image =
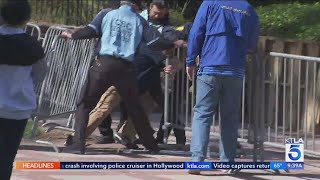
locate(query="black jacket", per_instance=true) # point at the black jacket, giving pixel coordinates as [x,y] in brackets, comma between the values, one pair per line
[20,49]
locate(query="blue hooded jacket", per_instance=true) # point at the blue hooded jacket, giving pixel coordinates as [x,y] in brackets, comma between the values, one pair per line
[222,34]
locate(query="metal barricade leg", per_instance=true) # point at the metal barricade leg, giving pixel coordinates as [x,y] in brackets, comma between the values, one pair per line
[166,107]
[70,120]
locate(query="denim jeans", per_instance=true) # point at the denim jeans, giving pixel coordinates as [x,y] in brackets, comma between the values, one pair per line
[211,91]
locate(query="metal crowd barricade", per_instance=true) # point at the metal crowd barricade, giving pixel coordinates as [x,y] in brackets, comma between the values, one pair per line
[280,100]
[293,91]
[33,30]
[47,43]
[51,33]
[69,62]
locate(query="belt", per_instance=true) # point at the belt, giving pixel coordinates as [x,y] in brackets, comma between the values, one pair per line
[127,62]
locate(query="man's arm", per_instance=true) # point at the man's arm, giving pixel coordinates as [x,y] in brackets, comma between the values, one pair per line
[254,34]
[92,30]
[197,34]
[157,56]
[96,23]
[149,33]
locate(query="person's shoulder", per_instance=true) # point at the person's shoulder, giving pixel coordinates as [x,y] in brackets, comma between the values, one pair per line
[111,11]
[210,2]
[145,14]
[35,46]
[105,11]
[251,11]
[143,21]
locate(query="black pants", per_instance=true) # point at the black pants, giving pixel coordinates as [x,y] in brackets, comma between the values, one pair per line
[11,133]
[109,71]
[105,127]
[123,116]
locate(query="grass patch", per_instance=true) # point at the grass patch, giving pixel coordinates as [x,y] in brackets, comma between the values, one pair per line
[28,130]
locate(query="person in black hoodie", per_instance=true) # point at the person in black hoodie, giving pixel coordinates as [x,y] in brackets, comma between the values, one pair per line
[20,58]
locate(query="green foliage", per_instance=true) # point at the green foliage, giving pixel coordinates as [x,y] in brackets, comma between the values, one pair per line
[69,12]
[28,130]
[295,19]
[177,18]
[291,20]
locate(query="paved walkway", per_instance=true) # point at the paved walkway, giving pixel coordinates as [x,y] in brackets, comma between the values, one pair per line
[30,151]
[312,170]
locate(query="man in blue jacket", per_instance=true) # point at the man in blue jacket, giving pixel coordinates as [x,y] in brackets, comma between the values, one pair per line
[222,34]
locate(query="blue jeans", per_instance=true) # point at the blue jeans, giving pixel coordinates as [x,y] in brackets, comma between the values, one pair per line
[211,91]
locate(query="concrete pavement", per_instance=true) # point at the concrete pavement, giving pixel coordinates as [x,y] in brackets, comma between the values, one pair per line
[30,151]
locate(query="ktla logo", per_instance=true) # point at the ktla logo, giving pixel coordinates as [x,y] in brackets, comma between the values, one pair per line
[294,150]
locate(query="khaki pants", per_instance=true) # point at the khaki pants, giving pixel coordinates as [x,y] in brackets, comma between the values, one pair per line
[127,130]
[107,102]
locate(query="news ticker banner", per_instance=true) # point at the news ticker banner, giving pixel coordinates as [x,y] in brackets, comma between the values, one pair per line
[157,165]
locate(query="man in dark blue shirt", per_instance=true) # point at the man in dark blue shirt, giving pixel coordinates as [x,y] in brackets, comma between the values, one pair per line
[222,34]
[93,30]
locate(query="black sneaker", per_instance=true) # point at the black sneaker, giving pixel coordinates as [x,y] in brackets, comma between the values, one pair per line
[137,141]
[153,148]
[131,145]
[181,141]
[105,140]
[76,148]
[69,140]
[239,146]
[154,151]
[125,141]
[160,140]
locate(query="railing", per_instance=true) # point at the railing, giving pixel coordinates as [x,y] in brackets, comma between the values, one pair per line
[293,90]
[278,102]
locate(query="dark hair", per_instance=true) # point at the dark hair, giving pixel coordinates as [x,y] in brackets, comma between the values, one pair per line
[15,12]
[113,4]
[136,2]
[162,4]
